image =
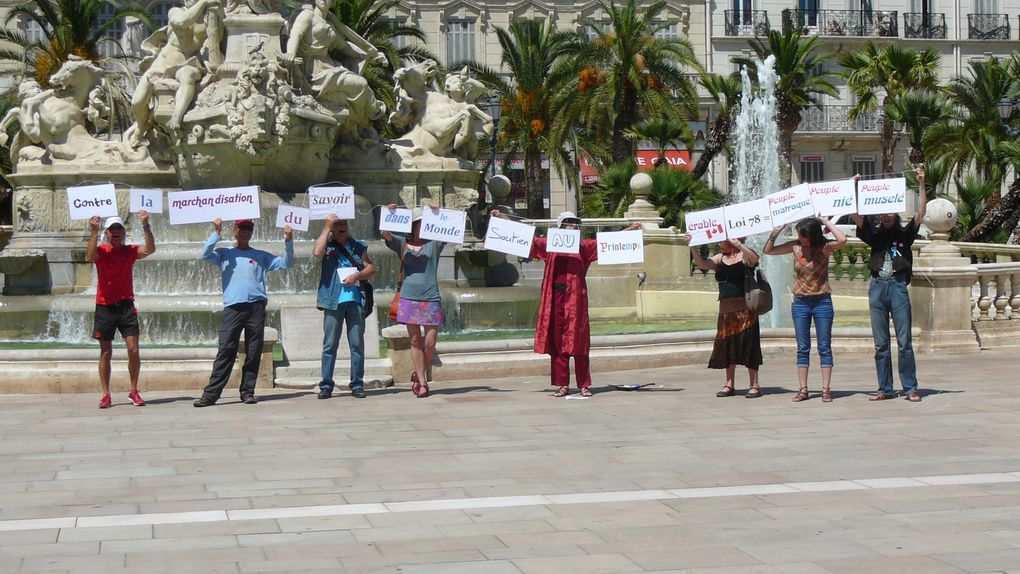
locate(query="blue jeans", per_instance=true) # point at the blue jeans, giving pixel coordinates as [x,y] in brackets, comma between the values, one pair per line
[804,309]
[332,323]
[890,297]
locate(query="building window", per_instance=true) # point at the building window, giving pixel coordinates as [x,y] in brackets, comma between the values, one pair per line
[110,46]
[160,12]
[668,32]
[592,30]
[862,164]
[986,6]
[812,168]
[397,42]
[460,41]
[33,31]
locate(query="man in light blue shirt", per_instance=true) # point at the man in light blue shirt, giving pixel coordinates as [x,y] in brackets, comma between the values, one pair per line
[244,271]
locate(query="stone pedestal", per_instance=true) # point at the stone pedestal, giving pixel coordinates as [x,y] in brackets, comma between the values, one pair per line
[940,298]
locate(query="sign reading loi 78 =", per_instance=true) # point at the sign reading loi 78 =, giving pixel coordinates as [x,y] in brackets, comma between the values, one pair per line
[619,247]
[510,237]
[204,205]
[748,218]
[336,200]
[879,196]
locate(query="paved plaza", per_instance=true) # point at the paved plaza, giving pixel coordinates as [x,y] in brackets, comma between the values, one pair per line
[497,477]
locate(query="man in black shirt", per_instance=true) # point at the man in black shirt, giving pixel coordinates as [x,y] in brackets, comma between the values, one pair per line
[890,264]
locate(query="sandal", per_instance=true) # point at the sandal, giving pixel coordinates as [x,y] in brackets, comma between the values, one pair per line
[585,392]
[826,396]
[726,391]
[880,396]
[562,391]
[802,395]
[423,391]
[753,393]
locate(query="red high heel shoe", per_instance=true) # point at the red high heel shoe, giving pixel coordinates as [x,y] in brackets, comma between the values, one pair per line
[423,391]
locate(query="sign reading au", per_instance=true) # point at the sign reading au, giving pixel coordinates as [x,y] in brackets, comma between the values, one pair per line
[878,196]
[748,218]
[619,247]
[706,226]
[563,240]
[834,198]
[444,225]
[150,200]
[791,204]
[295,217]
[397,220]
[336,200]
[88,200]
[510,237]
[203,205]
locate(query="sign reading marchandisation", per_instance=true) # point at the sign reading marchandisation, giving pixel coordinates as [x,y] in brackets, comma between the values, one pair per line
[878,196]
[834,198]
[563,240]
[706,226]
[204,205]
[296,217]
[444,225]
[510,237]
[397,220]
[150,200]
[619,247]
[336,200]
[88,200]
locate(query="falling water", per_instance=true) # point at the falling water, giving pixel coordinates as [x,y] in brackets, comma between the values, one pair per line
[756,173]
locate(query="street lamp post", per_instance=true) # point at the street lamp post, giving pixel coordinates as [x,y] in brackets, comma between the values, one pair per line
[1007,110]
[495,108]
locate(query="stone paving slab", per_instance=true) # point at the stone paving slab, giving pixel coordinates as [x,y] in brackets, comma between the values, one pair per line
[497,477]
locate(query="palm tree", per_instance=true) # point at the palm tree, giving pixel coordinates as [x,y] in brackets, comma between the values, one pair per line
[802,81]
[70,27]
[624,73]
[530,47]
[664,132]
[917,111]
[725,91]
[1006,213]
[877,75]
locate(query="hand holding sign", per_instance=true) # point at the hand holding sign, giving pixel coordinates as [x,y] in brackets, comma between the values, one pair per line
[199,205]
[85,201]
[620,247]
[705,226]
[296,217]
[444,225]
[395,219]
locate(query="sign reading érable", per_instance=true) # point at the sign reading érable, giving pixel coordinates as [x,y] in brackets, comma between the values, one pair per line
[336,200]
[878,196]
[748,218]
[204,205]
[509,237]
[444,225]
[397,220]
[296,217]
[150,200]
[790,205]
[834,198]
[620,247]
[85,201]
[706,226]
[563,240]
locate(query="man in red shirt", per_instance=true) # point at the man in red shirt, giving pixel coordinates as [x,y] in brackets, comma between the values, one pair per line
[115,296]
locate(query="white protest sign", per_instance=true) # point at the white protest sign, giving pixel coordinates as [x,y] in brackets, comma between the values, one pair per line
[791,204]
[563,240]
[444,225]
[336,200]
[150,200]
[203,205]
[344,272]
[618,247]
[295,217]
[88,200]
[510,237]
[832,198]
[747,218]
[398,220]
[706,226]
[879,196]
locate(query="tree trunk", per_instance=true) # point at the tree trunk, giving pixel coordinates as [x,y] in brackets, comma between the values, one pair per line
[785,153]
[535,178]
[716,141]
[623,147]
[997,215]
[888,145]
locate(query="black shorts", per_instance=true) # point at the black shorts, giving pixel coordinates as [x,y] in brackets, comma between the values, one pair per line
[120,316]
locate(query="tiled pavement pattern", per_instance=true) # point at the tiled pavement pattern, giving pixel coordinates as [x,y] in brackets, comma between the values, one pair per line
[497,477]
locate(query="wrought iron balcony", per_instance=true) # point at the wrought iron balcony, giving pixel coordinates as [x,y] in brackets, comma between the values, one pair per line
[988,26]
[882,23]
[924,25]
[747,23]
[828,119]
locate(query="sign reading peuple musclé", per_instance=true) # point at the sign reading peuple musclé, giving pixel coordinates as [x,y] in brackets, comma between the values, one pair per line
[323,201]
[620,247]
[706,226]
[510,237]
[878,196]
[444,225]
[204,205]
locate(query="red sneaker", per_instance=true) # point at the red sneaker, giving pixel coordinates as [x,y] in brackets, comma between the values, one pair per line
[105,402]
[136,399]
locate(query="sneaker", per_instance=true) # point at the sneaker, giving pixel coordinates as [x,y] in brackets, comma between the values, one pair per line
[136,399]
[325,393]
[249,399]
[358,392]
[105,402]
[204,402]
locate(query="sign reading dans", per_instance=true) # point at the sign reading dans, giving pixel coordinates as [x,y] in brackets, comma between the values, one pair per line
[618,247]
[510,237]
[791,204]
[444,225]
[833,198]
[150,200]
[748,218]
[563,240]
[706,226]
[88,200]
[879,196]
[397,220]
[202,205]
[295,217]
[336,200]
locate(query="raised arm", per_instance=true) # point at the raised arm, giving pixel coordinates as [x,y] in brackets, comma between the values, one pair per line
[836,232]
[700,262]
[209,249]
[319,249]
[287,261]
[922,199]
[150,241]
[92,247]
[750,257]
[770,245]
[856,217]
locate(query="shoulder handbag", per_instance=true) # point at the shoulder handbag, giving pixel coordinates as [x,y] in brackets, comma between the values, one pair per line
[757,291]
[367,291]
[396,296]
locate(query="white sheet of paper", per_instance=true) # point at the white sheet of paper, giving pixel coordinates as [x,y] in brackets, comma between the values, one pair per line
[563,240]
[790,205]
[204,205]
[398,220]
[444,225]
[511,237]
[345,272]
[620,247]
[150,200]
[85,201]
[706,226]
[296,217]
[748,218]
[336,200]
[834,198]
[878,196]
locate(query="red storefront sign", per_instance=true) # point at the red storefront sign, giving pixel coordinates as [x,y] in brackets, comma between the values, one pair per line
[644,159]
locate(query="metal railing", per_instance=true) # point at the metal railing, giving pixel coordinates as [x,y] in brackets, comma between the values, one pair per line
[835,119]
[746,23]
[883,23]
[988,26]
[924,25]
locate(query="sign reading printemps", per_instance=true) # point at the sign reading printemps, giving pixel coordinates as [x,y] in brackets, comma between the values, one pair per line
[444,225]
[397,220]
[150,200]
[85,201]
[323,201]
[706,226]
[832,198]
[563,240]
[748,218]
[295,217]
[510,237]
[878,196]
[791,204]
[620,247]
[204,205]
